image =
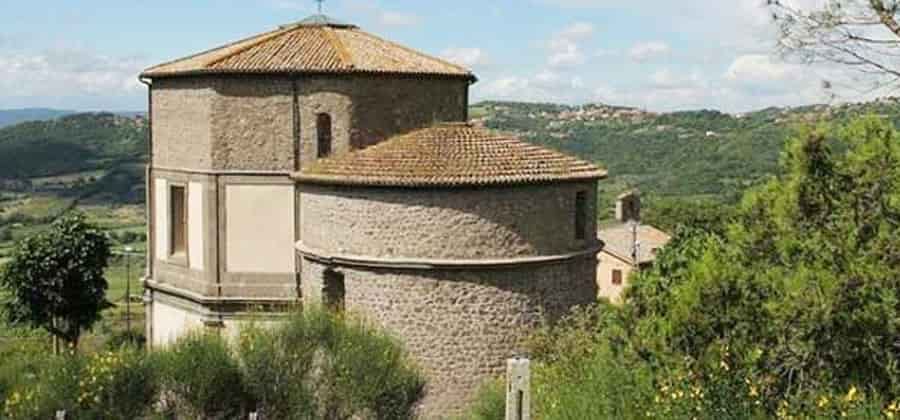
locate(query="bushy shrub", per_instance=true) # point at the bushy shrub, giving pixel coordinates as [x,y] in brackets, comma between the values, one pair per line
[489,404]
[319,365]
[276,364]
[121,384]
[310,365]
[53,387]
[202,379]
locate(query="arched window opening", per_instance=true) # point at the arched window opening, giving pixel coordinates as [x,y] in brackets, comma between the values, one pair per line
[323,134]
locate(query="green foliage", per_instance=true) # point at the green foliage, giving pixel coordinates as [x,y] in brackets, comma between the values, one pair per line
[490,403]
[69,144]
[670,214]
[55,279]
[51,387]
[313,365]
[791,310]
[317,365]
[204,379]
[120,384]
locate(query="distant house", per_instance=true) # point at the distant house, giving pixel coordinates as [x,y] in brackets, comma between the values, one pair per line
[628,245]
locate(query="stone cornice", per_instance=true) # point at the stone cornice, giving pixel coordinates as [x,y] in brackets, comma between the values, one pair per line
[436,264]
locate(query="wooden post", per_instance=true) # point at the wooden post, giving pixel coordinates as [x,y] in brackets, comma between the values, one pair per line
[518,398]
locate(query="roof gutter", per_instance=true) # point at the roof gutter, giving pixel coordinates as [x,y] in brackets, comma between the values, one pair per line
[148,174]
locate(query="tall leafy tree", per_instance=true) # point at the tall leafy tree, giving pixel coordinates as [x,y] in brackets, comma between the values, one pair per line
[55,279]
[806,280]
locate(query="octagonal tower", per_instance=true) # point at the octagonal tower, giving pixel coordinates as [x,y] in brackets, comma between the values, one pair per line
[229,126]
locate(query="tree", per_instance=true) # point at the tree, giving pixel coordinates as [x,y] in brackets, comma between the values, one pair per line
[55,279]
[791,311]
[861,34]
[806,280]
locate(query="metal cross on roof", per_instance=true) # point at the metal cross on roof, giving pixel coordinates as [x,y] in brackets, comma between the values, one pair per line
[320,5]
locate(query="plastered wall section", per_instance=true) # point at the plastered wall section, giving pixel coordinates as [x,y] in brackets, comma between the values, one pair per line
[170,322]
[461,325]
[260,226]
[258,235]
[606,263]
[480,223]
[182,112]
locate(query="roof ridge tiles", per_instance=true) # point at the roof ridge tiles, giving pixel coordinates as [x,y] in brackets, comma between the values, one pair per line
[311,47]
[445,155]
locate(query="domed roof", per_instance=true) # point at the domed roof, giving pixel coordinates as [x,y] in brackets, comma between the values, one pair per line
[450,154]
[315,45]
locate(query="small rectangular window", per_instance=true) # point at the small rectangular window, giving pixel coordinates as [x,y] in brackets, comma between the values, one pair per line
[177,220]
[581,215]
[617,277]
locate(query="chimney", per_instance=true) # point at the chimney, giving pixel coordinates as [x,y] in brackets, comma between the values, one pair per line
[628,206]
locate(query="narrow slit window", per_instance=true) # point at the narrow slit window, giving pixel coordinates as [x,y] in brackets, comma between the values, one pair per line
[323,134]
[334,290]
[177,220]
[617,277]
[581,215]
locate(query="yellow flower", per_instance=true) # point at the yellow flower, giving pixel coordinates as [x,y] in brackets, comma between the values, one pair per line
[823,401]
[851,394]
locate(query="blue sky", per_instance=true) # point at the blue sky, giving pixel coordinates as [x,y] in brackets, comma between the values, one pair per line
[656,54]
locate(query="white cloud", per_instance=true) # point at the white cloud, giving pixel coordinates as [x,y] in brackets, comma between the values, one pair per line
[293,5]
[466,57]
[67,72]
[760,68]
[398,19]
[565,46]
[578,31]
[372,10]
[669,79]
[544,86]
[586,4]
[645,51]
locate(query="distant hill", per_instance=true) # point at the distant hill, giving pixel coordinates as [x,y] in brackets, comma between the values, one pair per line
[689,155]
[94,154]
[15,116]
[684,155]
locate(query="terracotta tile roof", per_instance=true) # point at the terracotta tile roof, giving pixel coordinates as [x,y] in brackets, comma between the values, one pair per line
[450,154]
[315,45]
[618,240]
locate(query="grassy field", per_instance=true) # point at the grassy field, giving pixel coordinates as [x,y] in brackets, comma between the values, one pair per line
[125,225]
[111,330]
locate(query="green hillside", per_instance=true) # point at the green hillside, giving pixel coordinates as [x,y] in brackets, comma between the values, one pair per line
[95,161]
[70,144]
[15,116]
[687,155]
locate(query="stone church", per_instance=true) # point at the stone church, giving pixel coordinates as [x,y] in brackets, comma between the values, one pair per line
[318,164]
